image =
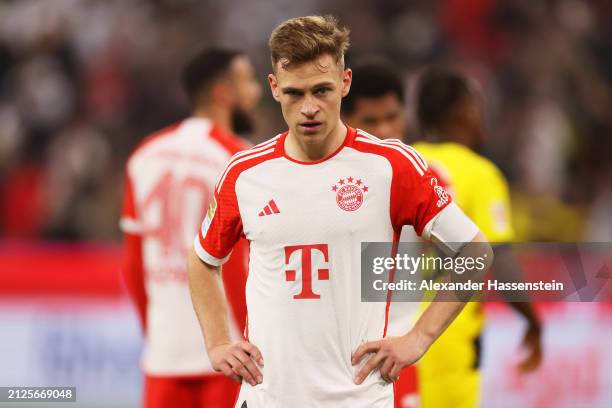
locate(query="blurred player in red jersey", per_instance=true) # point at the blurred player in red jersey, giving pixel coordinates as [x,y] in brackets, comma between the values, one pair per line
[376,105]
[169,184]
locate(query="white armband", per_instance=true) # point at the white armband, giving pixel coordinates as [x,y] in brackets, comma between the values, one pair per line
[451,229]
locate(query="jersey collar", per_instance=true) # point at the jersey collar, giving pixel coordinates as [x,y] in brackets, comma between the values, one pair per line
[348,141]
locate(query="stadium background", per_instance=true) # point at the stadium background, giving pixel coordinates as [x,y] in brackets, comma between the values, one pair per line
[81,82]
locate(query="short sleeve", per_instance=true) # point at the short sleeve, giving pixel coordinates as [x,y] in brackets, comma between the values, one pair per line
[222,226]
[129,222]
[417,195]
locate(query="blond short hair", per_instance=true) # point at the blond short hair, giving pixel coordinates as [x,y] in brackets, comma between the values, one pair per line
[304,39]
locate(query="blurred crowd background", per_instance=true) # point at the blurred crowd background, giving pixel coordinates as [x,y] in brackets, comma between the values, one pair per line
[82,82]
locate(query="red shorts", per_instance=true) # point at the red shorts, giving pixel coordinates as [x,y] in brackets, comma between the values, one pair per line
[207,391]
[406,389]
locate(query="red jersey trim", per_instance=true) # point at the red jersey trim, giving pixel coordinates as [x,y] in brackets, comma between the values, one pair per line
[196,375]
[232,143]
[410,150]
[128,223]
[394,248]
[246,155]
[155,136]
[134,275]
[229,141]
[417,161]
[205,255]
[226,187]
[348,141]
[399,156]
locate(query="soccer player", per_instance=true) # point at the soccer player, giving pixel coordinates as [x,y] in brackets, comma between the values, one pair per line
[169,185]
[449,110]
[376,102]
[306,200]
[450,115]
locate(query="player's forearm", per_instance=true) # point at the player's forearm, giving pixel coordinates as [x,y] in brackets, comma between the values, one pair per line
[210,304]
[527,310]
[441,313]
[436,318]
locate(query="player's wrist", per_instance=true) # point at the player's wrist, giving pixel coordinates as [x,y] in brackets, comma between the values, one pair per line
[419,339]
[217,344]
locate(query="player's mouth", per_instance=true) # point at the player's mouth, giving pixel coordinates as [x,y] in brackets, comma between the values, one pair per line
[310,126]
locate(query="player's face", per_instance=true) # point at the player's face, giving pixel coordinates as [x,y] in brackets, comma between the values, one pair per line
[471,112]
[382,117]
[310,96]
[246,94]
[247,89]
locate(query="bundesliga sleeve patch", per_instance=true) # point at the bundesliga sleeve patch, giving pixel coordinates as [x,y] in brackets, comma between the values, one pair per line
[442,194]
[209,216]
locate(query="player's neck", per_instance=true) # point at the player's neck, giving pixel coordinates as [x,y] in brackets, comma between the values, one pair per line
[302,149]
[220,116]
[456,135]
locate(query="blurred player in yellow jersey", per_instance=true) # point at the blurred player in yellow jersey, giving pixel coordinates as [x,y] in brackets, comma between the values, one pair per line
[450,117]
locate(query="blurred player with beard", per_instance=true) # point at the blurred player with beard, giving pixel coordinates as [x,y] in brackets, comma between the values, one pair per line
[449,114]
[306,200]
[169,184]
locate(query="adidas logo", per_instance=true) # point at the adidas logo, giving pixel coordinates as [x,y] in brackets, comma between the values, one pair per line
[269,209]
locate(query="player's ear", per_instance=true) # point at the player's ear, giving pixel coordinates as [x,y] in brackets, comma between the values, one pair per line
[274,87]
[347,79]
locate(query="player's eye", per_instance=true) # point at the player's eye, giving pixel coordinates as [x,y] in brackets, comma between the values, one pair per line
[392,116]
[322,91]
[292,92]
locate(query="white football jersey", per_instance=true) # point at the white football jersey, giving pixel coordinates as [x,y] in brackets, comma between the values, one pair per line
[170,181]
[305,222]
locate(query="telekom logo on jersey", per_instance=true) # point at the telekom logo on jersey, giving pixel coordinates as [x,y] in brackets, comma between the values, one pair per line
[306,253]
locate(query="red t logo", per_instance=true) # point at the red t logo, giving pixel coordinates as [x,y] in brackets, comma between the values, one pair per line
[322,274]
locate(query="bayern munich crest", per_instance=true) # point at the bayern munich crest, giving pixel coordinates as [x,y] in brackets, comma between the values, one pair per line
[349,193]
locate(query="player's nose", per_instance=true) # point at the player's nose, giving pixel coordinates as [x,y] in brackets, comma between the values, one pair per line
[309,108]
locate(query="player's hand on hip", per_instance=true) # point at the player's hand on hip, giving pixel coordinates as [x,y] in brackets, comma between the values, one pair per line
[238,361]
[389,355]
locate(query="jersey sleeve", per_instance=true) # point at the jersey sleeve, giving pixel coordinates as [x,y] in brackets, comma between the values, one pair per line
[132,268]
[491,206]
[129,222]
[133,274]
[222,226]
[417,195]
